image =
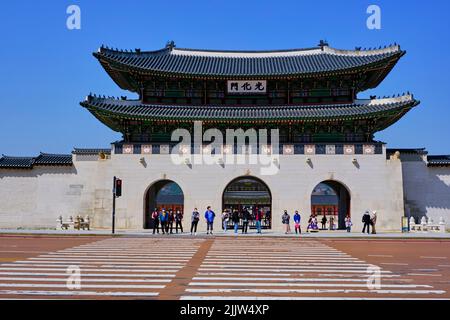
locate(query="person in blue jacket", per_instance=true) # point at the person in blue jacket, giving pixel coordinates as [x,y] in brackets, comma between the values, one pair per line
[209,216]
[163,217]
[297,220]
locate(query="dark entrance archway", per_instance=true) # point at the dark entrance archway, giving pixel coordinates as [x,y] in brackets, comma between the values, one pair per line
[252,194]
[332,199]
[165,194]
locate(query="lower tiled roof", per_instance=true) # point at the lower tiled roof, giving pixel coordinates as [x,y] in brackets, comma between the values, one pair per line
[43,159]
[134,109]
[16,162]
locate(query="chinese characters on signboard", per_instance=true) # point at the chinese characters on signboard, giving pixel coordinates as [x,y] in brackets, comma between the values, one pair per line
[247,86]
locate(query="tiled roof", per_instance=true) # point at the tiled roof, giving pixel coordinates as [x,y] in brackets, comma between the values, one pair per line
[439,161]
[134,109]
[419,151]
[89,151]
[16,162]
[44,159]
[175,61]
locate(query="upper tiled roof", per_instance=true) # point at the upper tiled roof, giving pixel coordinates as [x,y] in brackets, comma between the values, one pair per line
[439,161]
[134,109]
[44,159]
[172,60]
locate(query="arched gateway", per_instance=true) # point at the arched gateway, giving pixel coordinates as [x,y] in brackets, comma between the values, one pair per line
[331,199]
[165,194]
[252,194]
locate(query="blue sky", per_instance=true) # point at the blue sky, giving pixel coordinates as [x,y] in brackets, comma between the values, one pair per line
[46,69]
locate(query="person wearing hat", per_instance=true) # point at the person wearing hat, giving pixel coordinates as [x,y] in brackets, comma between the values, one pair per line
[366,220]
[373,221]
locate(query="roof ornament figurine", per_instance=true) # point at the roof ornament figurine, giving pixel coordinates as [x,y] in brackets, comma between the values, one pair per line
[170,45]
[323,43]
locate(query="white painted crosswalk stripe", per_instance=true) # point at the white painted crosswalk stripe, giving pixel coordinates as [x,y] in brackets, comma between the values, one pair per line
[84,280]
[236,298]
[287,284]
[316,291]
[78,293]
[280,279]
[98,286]
[84,274]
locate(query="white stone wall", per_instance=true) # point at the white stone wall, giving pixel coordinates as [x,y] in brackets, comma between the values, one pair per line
[427,190]
[35,198]
[376,184]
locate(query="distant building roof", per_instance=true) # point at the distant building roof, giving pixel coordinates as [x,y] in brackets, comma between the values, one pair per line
[43,159]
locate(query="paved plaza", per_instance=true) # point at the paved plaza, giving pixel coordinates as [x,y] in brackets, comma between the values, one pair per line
[228,268]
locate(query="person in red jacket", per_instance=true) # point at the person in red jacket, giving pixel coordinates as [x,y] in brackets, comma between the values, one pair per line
[155,218]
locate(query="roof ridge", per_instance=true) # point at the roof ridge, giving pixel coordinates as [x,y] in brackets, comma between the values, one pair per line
[320,49]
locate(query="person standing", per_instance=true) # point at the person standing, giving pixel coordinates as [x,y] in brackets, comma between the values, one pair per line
[245,220]
[155,218]
[258,218]
[297,220]
[163,220]
[209,216]
[373,221]
[170,220]
[324,222]
[225,218]
[194,221]
[285,220]
[178,221]
[235,219]
[331,223]
[366,221]
[348,223]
